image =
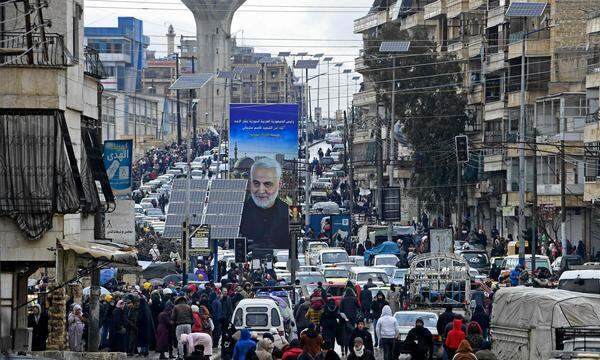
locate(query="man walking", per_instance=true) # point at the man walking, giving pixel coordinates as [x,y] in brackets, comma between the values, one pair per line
[387,330]
[182,319]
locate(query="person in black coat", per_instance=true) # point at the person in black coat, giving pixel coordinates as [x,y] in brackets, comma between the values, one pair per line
[378,304]
[118,332]
[420,342]
[349,305]
[444,319]
[360,331]
[481,318]
[38,321]
[226,306]
[360,351]
[329,322]
[156,306]
[145,328]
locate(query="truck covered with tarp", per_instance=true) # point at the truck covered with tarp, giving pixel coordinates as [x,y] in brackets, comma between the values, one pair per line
[531,323]
[387,247]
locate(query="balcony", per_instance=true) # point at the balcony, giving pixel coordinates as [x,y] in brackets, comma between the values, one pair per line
[93,65]
[365,98]
[592,79]
[415,20]
[23,49]
[434,9]
[494,110]
[456,7]
[494,162]
[495,62]
[591,132]
[514,98]
[477,5]
[593,25]
[370,21]
[455,46]
[591,189]
[533,47]
[359,64]
[496,16]
[475,43]
[554,189]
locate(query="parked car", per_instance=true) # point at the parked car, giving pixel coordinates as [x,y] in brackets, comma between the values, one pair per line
[566,262]
[257,315]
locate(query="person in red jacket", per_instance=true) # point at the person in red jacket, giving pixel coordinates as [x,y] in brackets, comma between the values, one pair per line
[454,338]
[292,351]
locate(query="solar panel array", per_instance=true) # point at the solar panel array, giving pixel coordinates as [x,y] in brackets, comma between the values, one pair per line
[394,46]
[525,9]
[306,64]
[222,208]
[247,70]
[191,81]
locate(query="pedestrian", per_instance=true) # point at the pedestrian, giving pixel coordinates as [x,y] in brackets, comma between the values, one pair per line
[359,351]
[183,319]
[377,308]
[279,341]
[366,298]
[243,346]
[163,333]
[76,326]
[197,325]
[264,349]
[328,352]
[481,318]
[292,351]
[474,336]
[581,249]
[38,322]
[329,322]
[196,341]
[132,328]
[454,338]
[118,332]
[360,331]
[300,313]
[217,316]
[311,342]
[464,352]
[485,353]
[386,332]
[145,326]
[420,341]
[314,313]
[343,334]
[393,297]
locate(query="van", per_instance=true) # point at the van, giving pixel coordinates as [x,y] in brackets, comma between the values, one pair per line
[359,275]
[585,281]
[257,315]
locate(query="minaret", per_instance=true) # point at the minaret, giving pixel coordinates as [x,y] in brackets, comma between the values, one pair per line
[170,40]
[213,33]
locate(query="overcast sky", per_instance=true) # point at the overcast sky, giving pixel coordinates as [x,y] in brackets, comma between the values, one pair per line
[269,26]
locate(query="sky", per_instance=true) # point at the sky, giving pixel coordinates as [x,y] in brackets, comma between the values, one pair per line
[315,26]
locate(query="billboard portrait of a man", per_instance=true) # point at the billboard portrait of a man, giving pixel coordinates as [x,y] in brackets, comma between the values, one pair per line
[265,219]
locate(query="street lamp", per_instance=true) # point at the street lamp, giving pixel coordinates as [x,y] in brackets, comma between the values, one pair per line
[339,67]
[526,10]
[284,55]
[347,72]
[318,57]
[328,60]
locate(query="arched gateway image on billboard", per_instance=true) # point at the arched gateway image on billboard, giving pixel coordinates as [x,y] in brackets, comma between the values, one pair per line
[263,148]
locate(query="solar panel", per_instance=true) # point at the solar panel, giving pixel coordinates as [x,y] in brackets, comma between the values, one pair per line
[223,220]
[225,208]
[525,9]
[197,208]
[199,184]
[224,232]
[327,58]
[306,64]
[284,53]
[394,46]
[248,70]
[174,220]
[197,196]
[267,60]
[179,184]
[318,55]
[178,207]
[191,81]
[177,196]
[226,75]
[347,71]
[226,196]
[233,185]
[172,232]
[302,54]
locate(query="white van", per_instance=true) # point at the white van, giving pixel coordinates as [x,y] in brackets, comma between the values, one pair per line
[257,315]
[585,281]
[361,274]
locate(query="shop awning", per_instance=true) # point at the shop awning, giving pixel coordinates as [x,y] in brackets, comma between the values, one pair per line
[114,253]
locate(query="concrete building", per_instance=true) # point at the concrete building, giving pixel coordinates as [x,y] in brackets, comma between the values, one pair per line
[123,52]
[49,113]
[558,99]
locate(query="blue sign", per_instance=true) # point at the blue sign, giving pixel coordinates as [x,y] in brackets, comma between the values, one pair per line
[118,159]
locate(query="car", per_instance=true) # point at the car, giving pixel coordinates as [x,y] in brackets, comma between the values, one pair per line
[146,205]
[399,277]
[336,155]
[385,259]
[359,275]
[357,260]
[327,161]
[335,290]
[310,277]
[585,281]
[497,260]
[139,209]
[541,261]
[333,256]
[406,321]
[477,259]
[335,274]
[389,269]
[565,262]
[337,147]
[155,214]
[257,315]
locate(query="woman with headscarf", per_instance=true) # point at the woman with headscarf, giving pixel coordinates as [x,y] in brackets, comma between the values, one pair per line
[474,336]
[76,325]
[145,328]
[38,321]
[464,352]
[118,331]
[330,322]
[156,306]
[163,332]
[349,305]
[481,318]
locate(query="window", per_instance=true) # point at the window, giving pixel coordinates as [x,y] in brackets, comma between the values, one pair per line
[275,319]
[237,318]
[257,320]
[274,74]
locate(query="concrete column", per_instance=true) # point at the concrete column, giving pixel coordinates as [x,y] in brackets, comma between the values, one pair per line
[94,320]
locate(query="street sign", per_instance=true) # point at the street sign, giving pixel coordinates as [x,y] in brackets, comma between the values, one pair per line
[390,204]
[200,243]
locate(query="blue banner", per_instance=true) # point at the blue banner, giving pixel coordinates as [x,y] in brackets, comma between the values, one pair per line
[118,159]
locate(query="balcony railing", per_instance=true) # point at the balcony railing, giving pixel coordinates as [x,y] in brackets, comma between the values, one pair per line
[27,49]
[93,65]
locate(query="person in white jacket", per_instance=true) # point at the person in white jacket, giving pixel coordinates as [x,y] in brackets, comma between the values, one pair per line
[387,331]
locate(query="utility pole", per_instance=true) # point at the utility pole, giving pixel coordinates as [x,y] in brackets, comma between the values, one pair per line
[307,173]
[534,210]
[379,158]
[522,184]
[178,99]
[563,205]
[459,199]
[186,219]
[391,154]
[193,95]
[350,170]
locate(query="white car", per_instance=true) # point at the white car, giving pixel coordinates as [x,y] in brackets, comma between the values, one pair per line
[361,274]
[385,259]
[257,315]
[399,277]
[333,256]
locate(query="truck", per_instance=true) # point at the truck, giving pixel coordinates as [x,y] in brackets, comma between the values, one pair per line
[535,323]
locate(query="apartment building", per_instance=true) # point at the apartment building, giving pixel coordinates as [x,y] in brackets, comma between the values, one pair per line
[489,46]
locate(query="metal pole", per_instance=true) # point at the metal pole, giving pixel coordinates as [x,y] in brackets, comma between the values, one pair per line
[221,129]
[285,73]
[391,154]
[328,99]
[307,158]
[193,95]
[459,199]
[178,104]
[350,170]
[563,206]
[135,148]
[186,218]
[522,184]
[94,323]
[534,205]
[338,86]
[318,84]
